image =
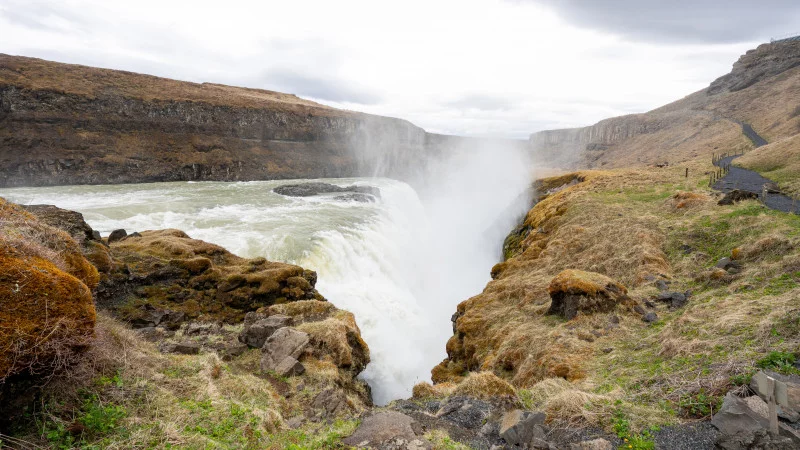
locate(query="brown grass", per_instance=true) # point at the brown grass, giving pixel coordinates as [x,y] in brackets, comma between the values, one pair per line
[627,225]
[484,385]
[33,73]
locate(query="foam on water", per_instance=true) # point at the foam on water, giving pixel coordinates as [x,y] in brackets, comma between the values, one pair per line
[401,265]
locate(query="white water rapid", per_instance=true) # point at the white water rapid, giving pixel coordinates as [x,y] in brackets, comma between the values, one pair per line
[401,265]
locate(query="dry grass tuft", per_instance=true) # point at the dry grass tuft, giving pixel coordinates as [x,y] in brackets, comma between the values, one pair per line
[425,390]
[484,385]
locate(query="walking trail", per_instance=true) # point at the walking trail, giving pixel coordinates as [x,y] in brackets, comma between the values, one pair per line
[750,181]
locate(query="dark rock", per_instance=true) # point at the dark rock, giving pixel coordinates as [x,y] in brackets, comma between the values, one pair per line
[662,285]
[728,265]
[675,299]
[649,304]
[576,291]
[182,348]
[233,349]
[135,234]
[200,328]
[639,310]
[281,350]
[150,316]
[754,440]
[96,235]
[256,334]
[332,401]
[316,188]
[386,430]
[767,60]
[650,317]
[739,418]
[519,427]
[117,235]
[736,196]
[70,221]
[466,412]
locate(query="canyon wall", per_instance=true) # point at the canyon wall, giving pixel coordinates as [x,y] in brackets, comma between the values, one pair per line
[67,124]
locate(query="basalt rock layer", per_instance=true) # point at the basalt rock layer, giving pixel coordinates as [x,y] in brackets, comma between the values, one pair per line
[68,124]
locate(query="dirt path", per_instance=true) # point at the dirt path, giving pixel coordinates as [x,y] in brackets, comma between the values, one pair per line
[748,180]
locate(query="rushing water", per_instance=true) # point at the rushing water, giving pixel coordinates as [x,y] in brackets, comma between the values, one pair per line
[401,264]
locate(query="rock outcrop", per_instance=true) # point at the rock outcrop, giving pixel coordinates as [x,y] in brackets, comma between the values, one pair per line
[760,90]
[763,62]
[164,278]
[577,291]
[46,307]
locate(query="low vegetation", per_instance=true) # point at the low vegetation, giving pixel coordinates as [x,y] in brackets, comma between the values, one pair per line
[643,228]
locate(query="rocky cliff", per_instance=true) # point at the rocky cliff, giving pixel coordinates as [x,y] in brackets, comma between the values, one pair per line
[762,89]
[70,124]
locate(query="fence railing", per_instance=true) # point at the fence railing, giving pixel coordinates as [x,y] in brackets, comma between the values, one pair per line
[786,37]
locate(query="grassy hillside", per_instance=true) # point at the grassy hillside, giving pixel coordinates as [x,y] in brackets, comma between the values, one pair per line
[641,227]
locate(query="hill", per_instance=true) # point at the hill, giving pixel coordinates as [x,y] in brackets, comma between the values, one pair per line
[70,124]
[763,90]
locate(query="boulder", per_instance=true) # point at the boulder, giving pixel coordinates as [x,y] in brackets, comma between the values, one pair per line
[754,440]
[741,419]
[576,291]
[282,350]
[150,316]
[675,300]
[117,235]
[387,430]
[181,348]
[256,334]
[519,427]
[331,401]
[736,196]
[728,265]
[650,317]
[466,412]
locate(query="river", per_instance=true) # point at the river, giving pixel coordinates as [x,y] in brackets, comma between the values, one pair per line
[400,264]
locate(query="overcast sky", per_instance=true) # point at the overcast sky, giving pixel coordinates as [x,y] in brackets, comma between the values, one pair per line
[469,67]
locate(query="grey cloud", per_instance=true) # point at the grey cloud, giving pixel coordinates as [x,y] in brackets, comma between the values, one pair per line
[684,21]
[35,15]
[481,102]
[328,88]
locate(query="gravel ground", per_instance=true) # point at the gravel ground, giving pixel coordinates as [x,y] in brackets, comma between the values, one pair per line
[694,436]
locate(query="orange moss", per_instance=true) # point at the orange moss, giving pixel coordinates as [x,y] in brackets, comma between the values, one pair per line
[46,313]
[573,281]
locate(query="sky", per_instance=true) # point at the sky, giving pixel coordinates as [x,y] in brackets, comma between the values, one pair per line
[501,68]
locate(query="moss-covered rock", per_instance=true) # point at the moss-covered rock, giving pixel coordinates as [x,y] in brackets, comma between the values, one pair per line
[577,291]
[170,271]
[46,307]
